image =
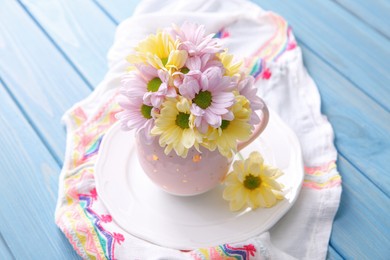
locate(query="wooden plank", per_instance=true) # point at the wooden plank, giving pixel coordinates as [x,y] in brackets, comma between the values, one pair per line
[346,43]
[84,39]
[28,189]
[117,10]
[333,254]
[38,76]
[5,252]
[361,229]
[360,124]
[376,15]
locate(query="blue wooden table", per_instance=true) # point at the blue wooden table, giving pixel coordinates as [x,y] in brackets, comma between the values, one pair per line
[52,54]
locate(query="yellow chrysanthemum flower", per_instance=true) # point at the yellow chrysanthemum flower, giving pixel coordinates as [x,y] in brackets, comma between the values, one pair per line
[175,126]
[231,68]
[252,183]
[226,136]
[160,51]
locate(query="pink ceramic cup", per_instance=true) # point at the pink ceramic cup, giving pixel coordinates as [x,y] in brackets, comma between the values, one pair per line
[195,174]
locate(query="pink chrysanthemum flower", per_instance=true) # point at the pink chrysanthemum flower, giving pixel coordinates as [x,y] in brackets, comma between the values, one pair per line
[247,88]
[195,65]
[202,63]
[150,83]
[133,85]
[194,41]
[135,114]
[158,87]
[211,95]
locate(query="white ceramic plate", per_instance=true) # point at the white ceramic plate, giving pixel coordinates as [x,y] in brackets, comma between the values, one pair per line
[144,210]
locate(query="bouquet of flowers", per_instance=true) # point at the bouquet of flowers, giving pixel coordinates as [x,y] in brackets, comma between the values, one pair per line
[185,89]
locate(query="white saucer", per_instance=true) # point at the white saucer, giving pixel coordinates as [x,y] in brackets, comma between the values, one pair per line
[144,210]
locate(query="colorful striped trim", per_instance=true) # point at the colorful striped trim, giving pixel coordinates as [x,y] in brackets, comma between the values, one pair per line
[223,252]
[89,135]
[107,239]
[80,233]
[223,33]
[74,219]
[322,177]
[281,41]
[71,235]
[80,223]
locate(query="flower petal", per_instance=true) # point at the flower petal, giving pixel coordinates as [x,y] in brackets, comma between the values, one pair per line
[194,63]
[188,138]
[254,198]
[268,196]
[176,59]
[231,191]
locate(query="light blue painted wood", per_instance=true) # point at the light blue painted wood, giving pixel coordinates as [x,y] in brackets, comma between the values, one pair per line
[5,252]
[333,254]
[360,139]
[83,37]
[342,40]
[361,126]
[377,14]
[362,226]
[28,189]
[118,10]
[37,75]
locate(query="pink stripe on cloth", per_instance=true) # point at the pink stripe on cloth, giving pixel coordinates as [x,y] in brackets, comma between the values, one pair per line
[322,177]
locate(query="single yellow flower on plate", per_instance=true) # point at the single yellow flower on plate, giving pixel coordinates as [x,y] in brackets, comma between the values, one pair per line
[226,136]
[175,126]
[252,183]
[231,68]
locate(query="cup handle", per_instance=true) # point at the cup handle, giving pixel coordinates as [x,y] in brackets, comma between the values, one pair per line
[259,128]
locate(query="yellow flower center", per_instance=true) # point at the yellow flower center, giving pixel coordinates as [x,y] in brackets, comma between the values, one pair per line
[146,111]
[182,120]
[203,99]
[252,182]
[224,124]
[154,84]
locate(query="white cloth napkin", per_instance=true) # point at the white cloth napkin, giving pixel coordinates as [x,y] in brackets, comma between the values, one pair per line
[267,44]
